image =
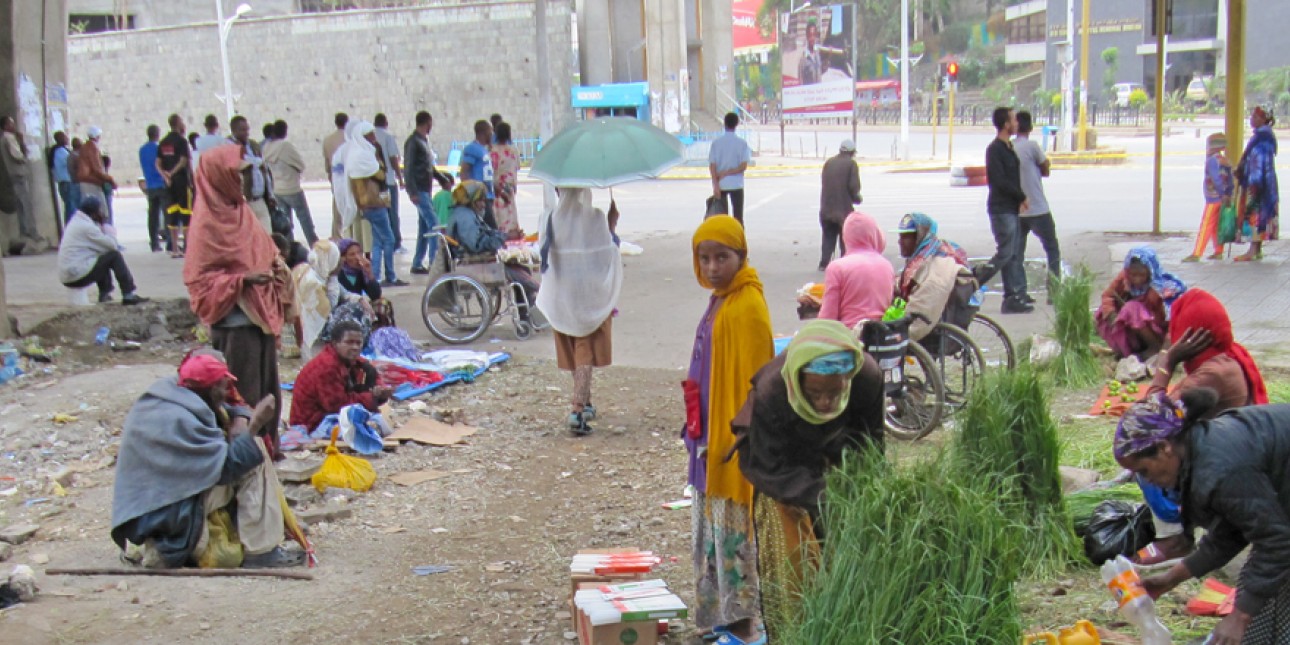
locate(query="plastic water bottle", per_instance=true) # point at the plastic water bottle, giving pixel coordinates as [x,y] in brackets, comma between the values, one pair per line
[101,337]
[1136,605]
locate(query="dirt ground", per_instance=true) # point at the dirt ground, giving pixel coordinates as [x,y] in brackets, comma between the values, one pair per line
[522,496]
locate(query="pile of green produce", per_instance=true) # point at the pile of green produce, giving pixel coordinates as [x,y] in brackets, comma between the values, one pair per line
[1075,366]
[1080,504]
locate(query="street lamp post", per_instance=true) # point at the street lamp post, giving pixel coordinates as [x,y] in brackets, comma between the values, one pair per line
[224,27]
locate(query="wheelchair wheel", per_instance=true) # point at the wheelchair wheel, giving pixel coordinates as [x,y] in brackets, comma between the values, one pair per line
[995,344]
[457,309]
[918,409]
[959,361]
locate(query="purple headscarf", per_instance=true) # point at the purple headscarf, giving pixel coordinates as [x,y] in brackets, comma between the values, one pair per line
[1154,419]
[344,245]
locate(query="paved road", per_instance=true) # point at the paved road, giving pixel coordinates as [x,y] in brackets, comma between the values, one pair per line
[661,301]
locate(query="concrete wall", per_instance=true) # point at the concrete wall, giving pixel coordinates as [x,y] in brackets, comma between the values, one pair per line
[32,72]
[460,62]
[1104,14]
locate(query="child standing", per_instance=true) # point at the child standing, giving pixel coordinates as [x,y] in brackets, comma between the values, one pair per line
[1218,195]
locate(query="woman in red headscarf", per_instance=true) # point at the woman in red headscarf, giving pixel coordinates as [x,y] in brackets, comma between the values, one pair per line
[1200,335]
[237,283]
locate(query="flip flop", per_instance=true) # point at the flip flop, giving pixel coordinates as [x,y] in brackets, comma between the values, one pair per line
[278,558]
[1248,258]
[727,638]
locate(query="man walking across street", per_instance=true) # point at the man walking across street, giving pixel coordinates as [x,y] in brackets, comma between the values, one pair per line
[154,185]
[477,165]
[727,160]
[329,146]
[394,175]
[90,172]
[256,180]
[1007,201]
[1038,219]
[420,159]
[839,194]
[287,165]
[15,162]
[58,157]
[174,161]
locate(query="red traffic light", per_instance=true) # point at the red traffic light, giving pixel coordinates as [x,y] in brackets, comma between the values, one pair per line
[952,70]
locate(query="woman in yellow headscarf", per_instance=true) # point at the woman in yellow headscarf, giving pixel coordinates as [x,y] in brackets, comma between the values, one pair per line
[733,341]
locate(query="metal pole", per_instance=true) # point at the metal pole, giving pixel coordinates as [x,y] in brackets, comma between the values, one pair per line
[904,80]
[546,118]
[1161,43]
[223,59]
[1068,80]
[1083,75]
[1234,113]
[855,68]
[950,138]
[936,104]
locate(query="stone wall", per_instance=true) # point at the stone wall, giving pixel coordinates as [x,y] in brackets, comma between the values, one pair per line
[460,62]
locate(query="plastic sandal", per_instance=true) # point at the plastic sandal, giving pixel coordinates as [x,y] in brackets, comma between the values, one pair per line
[278,558]
[730,639]
[1191,258]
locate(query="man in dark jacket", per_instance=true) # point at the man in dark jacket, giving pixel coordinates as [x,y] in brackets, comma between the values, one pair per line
[1005,205]
[839,193]
[420,173]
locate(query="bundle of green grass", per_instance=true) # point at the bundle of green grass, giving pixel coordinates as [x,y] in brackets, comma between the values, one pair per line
[1075,366]
[929,552]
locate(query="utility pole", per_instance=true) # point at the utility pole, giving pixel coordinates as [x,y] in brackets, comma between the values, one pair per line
[855,68]
[950,137]
[1162,41]
[1083,75]
[546,119]
[904,80]
[1068,81]
[1234,112]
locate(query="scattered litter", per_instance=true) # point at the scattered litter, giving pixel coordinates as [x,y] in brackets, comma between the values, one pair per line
[629,249]
[431,569]
[417,406]
[517,519]
[391,530]
[678,504]
[62,417]
[431,432]
[35,501]
[438,529]
[417,477]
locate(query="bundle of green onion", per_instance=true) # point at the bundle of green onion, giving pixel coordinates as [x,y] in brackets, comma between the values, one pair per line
[896,311]
[1075,366]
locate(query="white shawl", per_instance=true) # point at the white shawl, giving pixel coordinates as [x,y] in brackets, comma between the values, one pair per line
[581,284]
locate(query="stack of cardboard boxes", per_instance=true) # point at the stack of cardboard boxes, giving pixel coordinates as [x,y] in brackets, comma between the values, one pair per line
[612,602]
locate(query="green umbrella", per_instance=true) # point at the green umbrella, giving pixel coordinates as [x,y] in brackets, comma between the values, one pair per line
[606,152]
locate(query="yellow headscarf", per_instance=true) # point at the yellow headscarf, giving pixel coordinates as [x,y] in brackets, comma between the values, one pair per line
[468,192]
[741,344]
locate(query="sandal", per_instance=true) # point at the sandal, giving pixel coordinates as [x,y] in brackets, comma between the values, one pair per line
[726,638]
[1191,258]
[278,558]
[1248,258]
[1216,256]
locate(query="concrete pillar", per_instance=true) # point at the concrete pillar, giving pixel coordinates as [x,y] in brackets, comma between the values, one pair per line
[33,72]
[595,44]
[627,28]
[717,57]
[666,64]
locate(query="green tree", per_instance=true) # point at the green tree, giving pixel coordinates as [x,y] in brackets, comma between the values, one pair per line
[1138,99]
[1110,56]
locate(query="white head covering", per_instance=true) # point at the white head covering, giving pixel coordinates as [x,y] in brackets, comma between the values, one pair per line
[360,155]
[581,285]
[356,158]
[94,132]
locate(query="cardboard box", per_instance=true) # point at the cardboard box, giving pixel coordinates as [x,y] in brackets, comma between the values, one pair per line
[579,579]
[644,632]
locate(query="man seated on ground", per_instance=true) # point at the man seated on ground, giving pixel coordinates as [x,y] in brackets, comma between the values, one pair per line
[335,378]
[185,454]
[89,254]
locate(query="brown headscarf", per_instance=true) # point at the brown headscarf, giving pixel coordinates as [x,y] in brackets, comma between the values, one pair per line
[225,242]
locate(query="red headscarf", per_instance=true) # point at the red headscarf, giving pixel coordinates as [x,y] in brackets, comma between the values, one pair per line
[203,371]
[225,242]
[1198,309]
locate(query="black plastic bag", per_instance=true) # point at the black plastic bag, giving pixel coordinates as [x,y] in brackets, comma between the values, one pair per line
[1117,528]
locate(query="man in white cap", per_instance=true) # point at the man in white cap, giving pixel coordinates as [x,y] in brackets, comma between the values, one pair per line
[839,194]
[89,167]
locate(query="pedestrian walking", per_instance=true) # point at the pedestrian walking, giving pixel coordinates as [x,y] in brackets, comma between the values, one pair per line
[90,171]
[61,173]
[1038,219]
[477,165]
[154,185]
[237,283]
[330,145]
[1006,203]
[728,158]
[421,174]
[389,146]
[256,181]
[1218,189]
[365,170]
[15,162]
[839,195]
[287,165]
[175,161]
[582,277]
[506,176]
[1257,174]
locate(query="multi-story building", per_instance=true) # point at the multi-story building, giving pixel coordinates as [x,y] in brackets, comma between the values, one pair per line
[1036,29]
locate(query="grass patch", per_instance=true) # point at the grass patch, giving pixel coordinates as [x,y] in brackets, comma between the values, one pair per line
[1075,366]
[1086,443]
[1278,390]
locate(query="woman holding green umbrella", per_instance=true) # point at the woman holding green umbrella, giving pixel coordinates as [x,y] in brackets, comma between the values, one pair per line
[582,277]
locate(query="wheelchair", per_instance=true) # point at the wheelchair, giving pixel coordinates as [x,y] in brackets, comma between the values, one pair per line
[471,293]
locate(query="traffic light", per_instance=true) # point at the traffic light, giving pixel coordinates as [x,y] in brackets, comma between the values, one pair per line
[952,72]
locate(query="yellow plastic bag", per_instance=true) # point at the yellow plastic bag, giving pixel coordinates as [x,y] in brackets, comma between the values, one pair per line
[223,548]
[341,471]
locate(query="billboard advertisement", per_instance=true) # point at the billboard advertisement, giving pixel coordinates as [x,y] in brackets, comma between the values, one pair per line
[751,37]
[818,80]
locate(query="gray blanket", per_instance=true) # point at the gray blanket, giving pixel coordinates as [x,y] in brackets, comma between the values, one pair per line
[172,448]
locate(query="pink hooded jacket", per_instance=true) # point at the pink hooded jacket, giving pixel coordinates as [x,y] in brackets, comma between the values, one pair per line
[858,286]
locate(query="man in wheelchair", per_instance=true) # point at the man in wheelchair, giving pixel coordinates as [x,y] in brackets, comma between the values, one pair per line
[475,237]
[936,281]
